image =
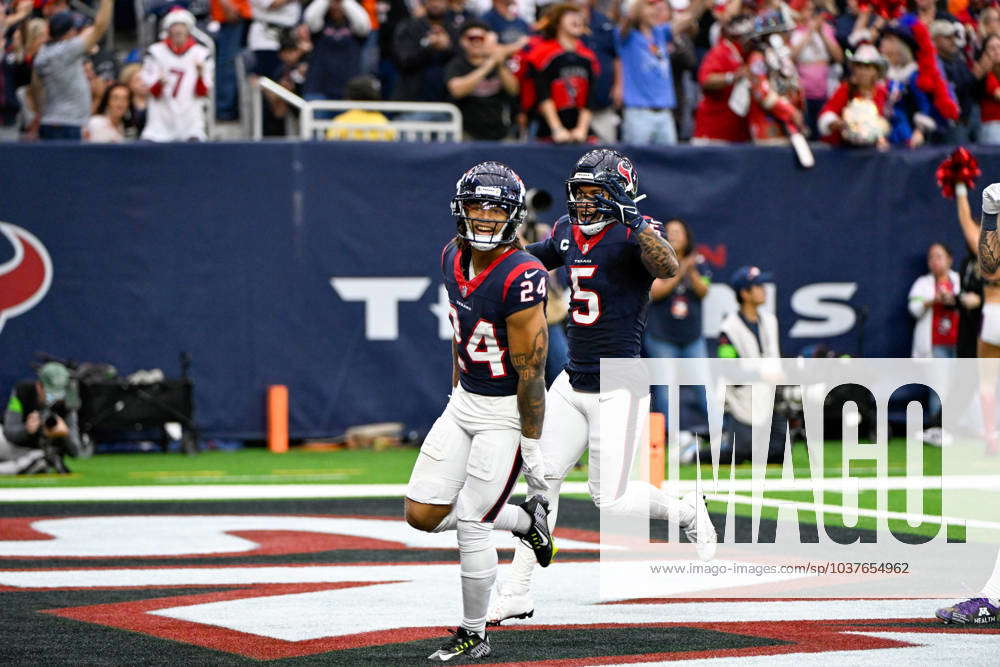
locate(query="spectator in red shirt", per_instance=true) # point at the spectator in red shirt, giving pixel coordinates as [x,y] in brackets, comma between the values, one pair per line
[565,73]
[847,117]
[933,302]
[989,104]
[722,67]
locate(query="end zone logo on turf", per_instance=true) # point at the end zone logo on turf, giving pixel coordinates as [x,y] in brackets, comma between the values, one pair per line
[369,589]
[24,278]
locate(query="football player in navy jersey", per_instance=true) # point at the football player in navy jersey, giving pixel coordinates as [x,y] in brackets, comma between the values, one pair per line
[490,430]
[612,255]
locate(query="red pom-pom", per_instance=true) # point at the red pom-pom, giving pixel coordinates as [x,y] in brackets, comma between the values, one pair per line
[888,9]
[959,167]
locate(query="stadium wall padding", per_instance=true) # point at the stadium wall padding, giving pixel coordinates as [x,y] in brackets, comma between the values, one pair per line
[227,251]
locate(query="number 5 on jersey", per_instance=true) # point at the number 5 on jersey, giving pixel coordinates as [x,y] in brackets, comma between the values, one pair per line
[591,311]
[482,346]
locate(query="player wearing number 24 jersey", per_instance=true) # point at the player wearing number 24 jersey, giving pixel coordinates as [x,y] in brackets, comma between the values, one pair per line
[612,254]
[479,308]
[475,451]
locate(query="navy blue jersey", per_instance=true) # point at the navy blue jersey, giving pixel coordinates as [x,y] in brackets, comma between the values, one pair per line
[479,309]
[609,295]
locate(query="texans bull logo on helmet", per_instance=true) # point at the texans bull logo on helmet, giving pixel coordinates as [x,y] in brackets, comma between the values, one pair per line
[627,171]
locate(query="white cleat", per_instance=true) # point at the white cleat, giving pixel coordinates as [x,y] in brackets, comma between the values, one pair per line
[700,531]
[504,606]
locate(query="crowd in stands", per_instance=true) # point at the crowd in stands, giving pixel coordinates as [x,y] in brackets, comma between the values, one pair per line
[846,72]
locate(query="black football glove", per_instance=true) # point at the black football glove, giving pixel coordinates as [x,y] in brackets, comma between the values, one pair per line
[620,206]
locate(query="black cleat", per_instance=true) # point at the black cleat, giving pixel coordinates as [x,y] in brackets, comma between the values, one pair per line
[538,537]
[462,642]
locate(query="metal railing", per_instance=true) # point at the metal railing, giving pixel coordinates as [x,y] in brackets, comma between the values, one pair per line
[206,40]
[401,126]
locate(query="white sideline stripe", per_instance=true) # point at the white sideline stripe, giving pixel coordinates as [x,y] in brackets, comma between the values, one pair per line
[911,517]
[279,491]
[224,492]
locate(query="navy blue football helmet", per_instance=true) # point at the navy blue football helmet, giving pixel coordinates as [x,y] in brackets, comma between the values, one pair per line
[491,184]
[603,167]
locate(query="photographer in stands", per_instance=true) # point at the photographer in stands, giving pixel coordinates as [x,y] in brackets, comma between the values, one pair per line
[40,415]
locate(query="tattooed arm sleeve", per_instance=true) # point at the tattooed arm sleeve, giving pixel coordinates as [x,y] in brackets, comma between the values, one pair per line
[656,254]
[528,338]
[989,250]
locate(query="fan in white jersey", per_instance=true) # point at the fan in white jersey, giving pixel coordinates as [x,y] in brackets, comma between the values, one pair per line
[179,73]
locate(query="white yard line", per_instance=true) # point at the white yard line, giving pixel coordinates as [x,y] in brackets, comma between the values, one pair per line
[274,491]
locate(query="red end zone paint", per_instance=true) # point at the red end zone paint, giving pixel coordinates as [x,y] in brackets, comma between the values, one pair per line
[269,542]
[20,529]
[796,636]
[136,617]
[802,637]
[139,616]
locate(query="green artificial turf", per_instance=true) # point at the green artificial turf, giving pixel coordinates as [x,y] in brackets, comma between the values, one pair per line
[256,465]
[250,465]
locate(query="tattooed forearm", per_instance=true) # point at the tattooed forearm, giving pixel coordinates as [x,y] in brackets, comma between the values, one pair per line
[657,255]
[454,364]
[530,367]
[989,252]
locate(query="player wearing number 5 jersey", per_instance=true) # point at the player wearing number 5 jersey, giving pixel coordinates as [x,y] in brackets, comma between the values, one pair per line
[475,451]
[179,73]
[612,255]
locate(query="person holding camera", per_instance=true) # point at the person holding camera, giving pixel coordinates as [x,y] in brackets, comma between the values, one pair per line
[39,416]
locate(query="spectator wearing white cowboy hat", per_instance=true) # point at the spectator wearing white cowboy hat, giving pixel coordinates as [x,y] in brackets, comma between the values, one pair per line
[179,73]
[855,113]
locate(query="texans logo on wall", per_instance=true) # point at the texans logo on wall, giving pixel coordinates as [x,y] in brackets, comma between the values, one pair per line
[24,278]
